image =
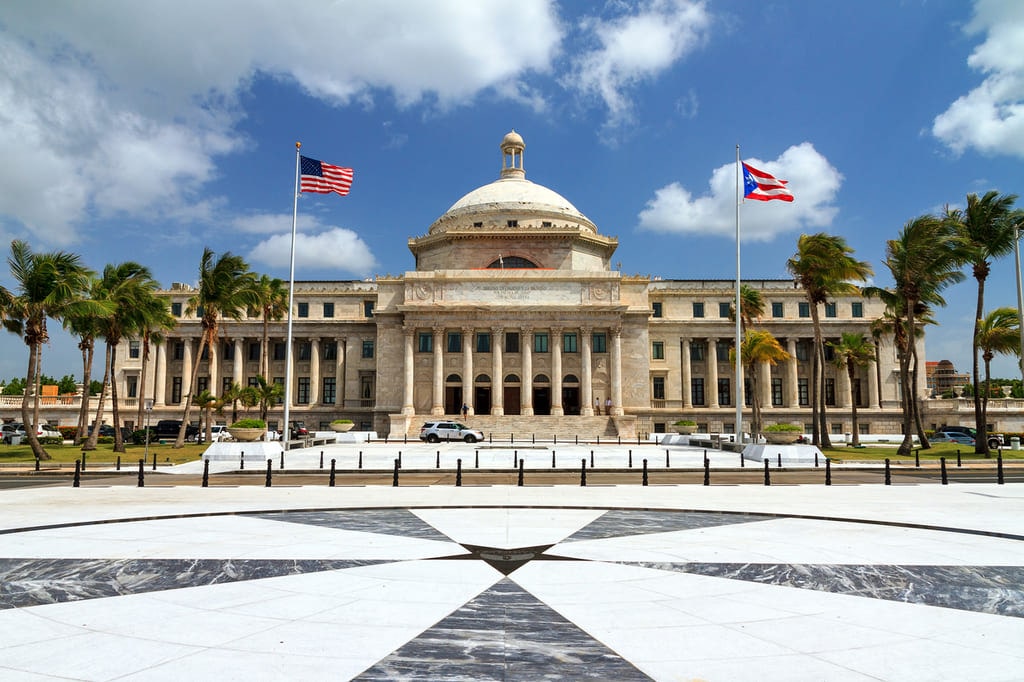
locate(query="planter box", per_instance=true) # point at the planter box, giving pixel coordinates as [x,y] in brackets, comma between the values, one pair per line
[341,428]
[781,437]
[246,435]
[685,430]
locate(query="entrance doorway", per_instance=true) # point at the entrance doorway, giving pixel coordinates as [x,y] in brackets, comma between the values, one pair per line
[453,400]
[571,399]
[542,400]
[512,397]
[482,400]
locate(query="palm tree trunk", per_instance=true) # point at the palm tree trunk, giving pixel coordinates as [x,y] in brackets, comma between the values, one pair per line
[908,394]
[83,410]
[90,443]
[851,371]
[914,376]
[983,433]
[981,443]
[36,384]
[142,381]
[118,439]
[264,351]
[26,414]
[819,381]
[878,371]
[180,441]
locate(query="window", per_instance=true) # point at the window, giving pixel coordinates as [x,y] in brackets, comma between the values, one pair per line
[280,351]
[658,388]
[330,390]
[252,382]
[366,386]
[837,427]
[830,352]
[856,309]
[569,344]
[777,310]
[305,351]
[803,396]
[133,386]
[748,393]
[225,384]
[302,394]
[511,263]
[803,350]
[367,348]
[175,389]
[722,349]
[483,342]
[864,428]
[425,342]
[830,309]
[857,394]
[698,309]
[656,310]
[540,342]
[511,342]
[697,351]
[599,342]
[205,355]
[658,350]
[776,392]
[454,342]
[724,309]
[202,384]
[328,309]
[697,391]
[512,223]
[330,350]
[830,392]
[367,308]
[179,350]
[176,309]
[804,309]
[229,350]
[303,310]
[280,382]
[254,351]
[724,392]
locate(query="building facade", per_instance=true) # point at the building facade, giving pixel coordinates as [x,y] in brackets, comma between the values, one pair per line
[515,312]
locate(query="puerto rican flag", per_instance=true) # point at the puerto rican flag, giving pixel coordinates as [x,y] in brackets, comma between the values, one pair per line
[763,186]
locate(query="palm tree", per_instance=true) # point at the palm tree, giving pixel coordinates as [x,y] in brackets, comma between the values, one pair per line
[987,228]
[232,396]
[85,327]
[47,285]
[924,259]
[269,393]
[998,332]
[853,351]
[154,319]
[207,402]
[751,306]
[273,305]
[226,288]
[824,268]
[758,347]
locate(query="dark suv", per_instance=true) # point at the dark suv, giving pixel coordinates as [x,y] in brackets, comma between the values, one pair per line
[169,428]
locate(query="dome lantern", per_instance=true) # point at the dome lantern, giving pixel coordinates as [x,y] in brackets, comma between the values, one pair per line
[512,147]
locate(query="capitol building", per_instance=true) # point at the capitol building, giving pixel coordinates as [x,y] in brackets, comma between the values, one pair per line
[514,311]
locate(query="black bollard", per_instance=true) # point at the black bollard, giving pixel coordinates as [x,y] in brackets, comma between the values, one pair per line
[399,460]
[828,471]
[83,460]
[815,460]
[552,459]
[490,437]
[942,465]
[742,462]
[533,439]
[360,459]
[476,459]
[620,440]
[511,438]
[394,480]
[707,471]
[780,460]
[631,459]
[206,473]
[591,459]
[330,482]
[241,460]
[37,463]
[118,463]
[599,440]
[917,458]
[577,439]
[958,462]
[888,474]
[437,464]
[554,439]
[142,473]
[638,438]
[520,481]
[321,459]
[999,468]
[515,458]
[282,459]
[666,459]
[643,481]
[154,461]
[583,472]
[77,482]
[767,474]
[458,473]
[270,467]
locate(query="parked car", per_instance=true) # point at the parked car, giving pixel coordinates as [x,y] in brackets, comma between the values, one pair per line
[433,432]
[17,430]
[995,440]
[298,430]
[218,433]
[169,428]
[952,437]
[105,430]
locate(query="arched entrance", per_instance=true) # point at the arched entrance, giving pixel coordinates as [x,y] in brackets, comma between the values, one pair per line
[482,394]
[453,394]
[541,394]
[512,393]
[571,394]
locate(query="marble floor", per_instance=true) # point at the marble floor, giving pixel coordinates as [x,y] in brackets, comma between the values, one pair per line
[504,583]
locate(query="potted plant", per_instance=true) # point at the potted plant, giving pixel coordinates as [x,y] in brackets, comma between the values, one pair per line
[248,430]
[341,425]
[783,434]
[685,426]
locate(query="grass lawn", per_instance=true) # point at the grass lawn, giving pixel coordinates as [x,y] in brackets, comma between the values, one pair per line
[103,454]
[878,453]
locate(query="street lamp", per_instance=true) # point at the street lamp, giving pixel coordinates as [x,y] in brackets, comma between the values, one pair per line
[148,404]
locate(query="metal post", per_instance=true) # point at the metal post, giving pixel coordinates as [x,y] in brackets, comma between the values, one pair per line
[520,481]
[458,473]
[888,474]
[767,475]
[707,471]
[583,472]
[77,482]
[999,468]
[270,466]
[828,471]
[394,480]
[142,473]
[206,473]
[330,483]
[942,464]
[643,481]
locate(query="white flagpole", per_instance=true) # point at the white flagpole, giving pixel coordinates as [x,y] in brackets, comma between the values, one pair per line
[739,364]
[291,296]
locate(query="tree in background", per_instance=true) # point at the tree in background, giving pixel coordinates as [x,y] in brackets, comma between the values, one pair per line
[853,351]
[998,332]
[272,304]
[757,348]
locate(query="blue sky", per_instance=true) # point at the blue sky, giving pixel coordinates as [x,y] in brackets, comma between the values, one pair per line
[146,131]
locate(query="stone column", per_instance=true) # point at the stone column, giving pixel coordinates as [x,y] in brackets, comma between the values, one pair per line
[238,363]
[314,370]
[467,368]
[437,400]
[556,373]
[497,372]
[792,398]
[339,374]
[764,381]
[409,373]
[586,380]
[213,366]
[160,381]
[616,375]
[712,375]
[186,371]
[873,398]
[686,371]
[844,390]
[526,399]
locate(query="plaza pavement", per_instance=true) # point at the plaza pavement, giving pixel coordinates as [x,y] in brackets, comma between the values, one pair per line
[610,582]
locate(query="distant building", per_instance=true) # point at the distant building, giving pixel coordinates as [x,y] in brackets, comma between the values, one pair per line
[942,377]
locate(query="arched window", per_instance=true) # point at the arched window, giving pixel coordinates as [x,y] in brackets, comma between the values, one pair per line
[511,263]
[541,379]
[570,379]
[483,379]
[512,379]
[453,379]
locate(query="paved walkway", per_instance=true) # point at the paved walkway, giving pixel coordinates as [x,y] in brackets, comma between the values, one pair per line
[166,582]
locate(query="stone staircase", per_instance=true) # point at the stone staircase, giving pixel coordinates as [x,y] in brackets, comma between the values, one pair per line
[541,427]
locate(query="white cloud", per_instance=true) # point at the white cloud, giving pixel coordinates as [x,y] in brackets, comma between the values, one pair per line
[270,223]
[634,48]
[333,250]
[812,179]
[990,118]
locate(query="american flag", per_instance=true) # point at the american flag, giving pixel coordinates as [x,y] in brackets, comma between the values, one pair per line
[324,178]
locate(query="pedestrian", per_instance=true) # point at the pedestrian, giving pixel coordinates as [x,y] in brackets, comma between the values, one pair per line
[608,406]
[597,406]
[465,411]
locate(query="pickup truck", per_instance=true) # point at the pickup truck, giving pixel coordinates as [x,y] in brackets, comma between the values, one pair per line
[169,428]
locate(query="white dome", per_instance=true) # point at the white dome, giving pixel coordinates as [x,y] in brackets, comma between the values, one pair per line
[516,193]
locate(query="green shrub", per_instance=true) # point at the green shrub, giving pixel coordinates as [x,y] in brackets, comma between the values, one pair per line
[68,432]
[249,424]
[342,421]
[784,428]
[105,440]
[139,437]
[51,440]
[685,422]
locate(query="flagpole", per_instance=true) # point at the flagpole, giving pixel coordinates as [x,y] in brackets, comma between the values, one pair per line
[739,366]
[291,297]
